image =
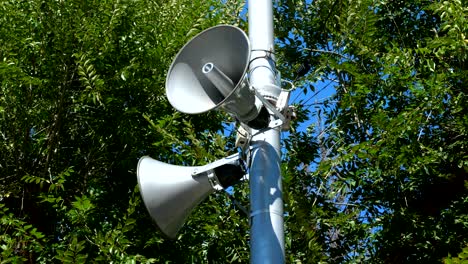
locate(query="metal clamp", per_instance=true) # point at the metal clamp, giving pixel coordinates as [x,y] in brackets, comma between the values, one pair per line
[282,111]
[209,170]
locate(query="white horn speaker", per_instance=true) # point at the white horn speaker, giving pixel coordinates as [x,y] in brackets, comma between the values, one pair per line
[209,72]
[171,192]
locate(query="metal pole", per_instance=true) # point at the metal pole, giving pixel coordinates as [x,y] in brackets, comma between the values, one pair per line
[266,212]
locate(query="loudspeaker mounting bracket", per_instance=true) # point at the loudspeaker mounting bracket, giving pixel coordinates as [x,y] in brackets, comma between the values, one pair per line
[218,180]
[282,111]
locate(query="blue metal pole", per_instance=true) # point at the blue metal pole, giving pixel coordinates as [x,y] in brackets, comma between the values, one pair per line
[266,212]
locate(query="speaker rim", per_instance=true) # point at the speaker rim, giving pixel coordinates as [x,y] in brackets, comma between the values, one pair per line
[238,85]
[153,220]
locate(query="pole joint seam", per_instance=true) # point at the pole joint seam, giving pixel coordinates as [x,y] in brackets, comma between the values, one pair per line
[265,211]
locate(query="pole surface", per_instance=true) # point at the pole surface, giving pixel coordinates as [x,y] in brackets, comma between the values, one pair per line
[266,202]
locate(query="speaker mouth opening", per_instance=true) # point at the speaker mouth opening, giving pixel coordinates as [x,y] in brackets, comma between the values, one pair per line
[209,70]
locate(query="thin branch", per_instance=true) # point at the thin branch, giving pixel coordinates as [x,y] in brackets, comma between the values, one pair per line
[329,52]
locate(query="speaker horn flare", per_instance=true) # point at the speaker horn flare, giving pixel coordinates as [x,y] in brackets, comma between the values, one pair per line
[171,192]
[209,72]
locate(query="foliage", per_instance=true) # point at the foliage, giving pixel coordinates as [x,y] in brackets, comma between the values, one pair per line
[81,99]
[388,185]
[462,258]
[376,173]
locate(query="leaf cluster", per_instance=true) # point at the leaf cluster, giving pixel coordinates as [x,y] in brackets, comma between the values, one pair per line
[81,100]
[388,185]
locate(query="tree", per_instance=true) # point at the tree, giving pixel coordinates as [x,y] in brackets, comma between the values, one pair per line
[387,183]
[81,100]
[374,174]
